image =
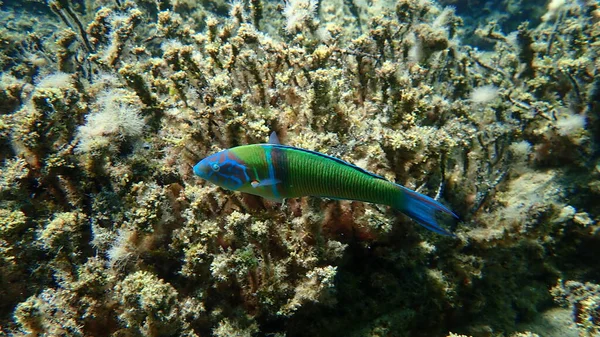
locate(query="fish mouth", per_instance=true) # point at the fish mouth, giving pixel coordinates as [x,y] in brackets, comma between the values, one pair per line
[200,169]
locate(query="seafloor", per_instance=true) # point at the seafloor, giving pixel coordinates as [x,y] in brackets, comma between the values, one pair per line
[490,106]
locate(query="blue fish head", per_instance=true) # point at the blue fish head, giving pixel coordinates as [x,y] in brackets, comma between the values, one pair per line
[223,169]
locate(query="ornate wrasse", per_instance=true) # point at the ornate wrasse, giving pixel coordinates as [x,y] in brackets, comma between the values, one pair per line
[277,172]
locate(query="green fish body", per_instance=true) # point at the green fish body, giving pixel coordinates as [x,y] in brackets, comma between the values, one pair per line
[278,172]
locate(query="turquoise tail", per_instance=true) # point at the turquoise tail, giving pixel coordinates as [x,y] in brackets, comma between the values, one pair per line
[423,210]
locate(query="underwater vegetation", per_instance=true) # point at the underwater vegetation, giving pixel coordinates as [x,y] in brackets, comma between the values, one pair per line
[105,106]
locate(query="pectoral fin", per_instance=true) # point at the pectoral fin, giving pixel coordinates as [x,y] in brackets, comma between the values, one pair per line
[265,182]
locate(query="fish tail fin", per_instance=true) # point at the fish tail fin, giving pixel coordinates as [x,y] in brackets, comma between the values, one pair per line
[423,209]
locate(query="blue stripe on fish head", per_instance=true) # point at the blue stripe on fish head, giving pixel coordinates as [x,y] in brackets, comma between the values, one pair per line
[223,169]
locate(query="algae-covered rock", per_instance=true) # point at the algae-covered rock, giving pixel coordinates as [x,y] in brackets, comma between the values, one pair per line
[105,106]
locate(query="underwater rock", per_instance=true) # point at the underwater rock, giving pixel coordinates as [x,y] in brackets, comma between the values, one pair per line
[105,107]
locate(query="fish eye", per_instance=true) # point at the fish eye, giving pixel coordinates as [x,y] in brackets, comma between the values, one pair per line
[215,167]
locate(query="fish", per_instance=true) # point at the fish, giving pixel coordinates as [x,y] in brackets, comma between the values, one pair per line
[278,172]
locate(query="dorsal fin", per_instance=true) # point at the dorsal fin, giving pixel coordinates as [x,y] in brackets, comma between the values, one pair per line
[273,139]
[329,157]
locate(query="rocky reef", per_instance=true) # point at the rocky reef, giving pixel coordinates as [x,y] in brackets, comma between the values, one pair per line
[106,105]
